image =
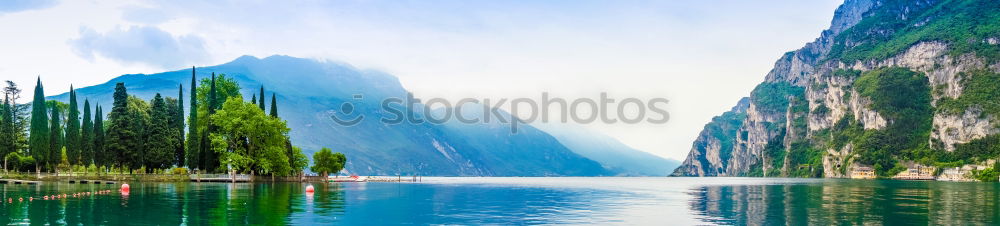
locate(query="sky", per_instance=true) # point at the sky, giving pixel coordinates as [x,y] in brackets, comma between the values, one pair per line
[701,55]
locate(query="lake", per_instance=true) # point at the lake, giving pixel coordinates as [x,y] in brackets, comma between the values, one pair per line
[570,200]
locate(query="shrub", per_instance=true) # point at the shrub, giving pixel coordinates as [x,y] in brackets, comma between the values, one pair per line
[179,171]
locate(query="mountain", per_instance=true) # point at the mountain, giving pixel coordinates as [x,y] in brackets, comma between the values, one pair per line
[890,85]
[611,153]
[537,153]
[310,93]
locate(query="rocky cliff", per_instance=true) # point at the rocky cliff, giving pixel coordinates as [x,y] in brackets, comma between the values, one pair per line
[889,82]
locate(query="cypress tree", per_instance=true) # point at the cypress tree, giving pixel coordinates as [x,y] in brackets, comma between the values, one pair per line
[193,153]
[253,99]
[159,146]
[178,116]
[55,138]
[100,156]
[86,136]
[73,129]
[119,132]
[208,155]
[274,106]
[262,98]
[38,140]
[212,102]
[8,139]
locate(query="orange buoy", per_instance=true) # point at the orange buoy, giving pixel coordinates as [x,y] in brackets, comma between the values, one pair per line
[124,187]
[45,197]
[31,199]
[310,189]
[20,199]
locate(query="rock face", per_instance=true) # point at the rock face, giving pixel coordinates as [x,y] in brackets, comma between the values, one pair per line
[711,151]
[829,107]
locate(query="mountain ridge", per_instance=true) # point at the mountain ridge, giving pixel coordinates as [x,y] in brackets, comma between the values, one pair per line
[310,92]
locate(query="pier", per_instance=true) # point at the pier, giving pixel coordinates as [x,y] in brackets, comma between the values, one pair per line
[219,178]
[85,181]
[13,181]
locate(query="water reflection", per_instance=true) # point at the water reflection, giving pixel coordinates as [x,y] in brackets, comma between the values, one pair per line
[167,204]
[848,202]
[515,201]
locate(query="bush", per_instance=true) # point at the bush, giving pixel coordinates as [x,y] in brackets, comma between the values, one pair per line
[179,171]
[987,175]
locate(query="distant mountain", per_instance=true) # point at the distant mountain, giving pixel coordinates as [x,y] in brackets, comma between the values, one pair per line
[537,153]
[611,153]
[310,92]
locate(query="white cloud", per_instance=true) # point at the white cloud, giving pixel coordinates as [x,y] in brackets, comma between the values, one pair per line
[140,44]
[702,55]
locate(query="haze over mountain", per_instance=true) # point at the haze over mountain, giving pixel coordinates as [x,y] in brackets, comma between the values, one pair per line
[310,92]
[611,153]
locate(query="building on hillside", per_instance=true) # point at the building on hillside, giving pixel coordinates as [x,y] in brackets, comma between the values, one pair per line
[916,172]
[956,174]
[863,172]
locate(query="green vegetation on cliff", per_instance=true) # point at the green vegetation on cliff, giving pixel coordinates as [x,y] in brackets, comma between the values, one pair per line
[980,88]
[965,25]
[775,97]
[903,98]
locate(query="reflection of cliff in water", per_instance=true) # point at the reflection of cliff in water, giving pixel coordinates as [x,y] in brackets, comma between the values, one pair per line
[848,202]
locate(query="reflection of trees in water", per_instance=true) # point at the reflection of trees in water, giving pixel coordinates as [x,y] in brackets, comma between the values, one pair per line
[167,204]
[257,204]
[848,202]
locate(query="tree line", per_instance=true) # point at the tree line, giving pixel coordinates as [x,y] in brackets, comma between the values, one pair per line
[221,133]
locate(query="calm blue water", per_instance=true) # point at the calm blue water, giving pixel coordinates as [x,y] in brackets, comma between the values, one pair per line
[646,201]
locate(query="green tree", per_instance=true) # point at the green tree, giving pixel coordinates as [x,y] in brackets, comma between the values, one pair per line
[63,163]
[299,161]
[160,139]
[86,136]
[262,98]
[211,94]
[7,133]
[193,135]
[274,106]
[175,109]
[55,135]
[14,122]
[101,157]
[249,140]
[73,128]
[326,162]
[128,119]
[38,142]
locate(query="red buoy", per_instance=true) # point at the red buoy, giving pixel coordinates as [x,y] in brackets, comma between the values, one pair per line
[124,187]
[310,189]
